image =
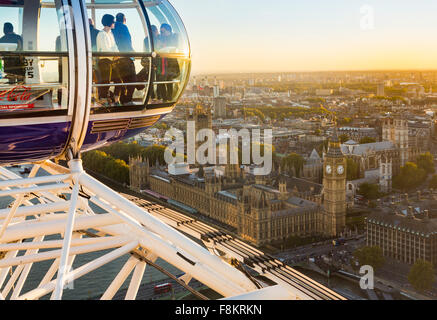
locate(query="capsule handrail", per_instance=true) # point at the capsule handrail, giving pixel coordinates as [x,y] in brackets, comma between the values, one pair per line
[34,53]
[58,54]
[139,55]
[50,85]
[127,84]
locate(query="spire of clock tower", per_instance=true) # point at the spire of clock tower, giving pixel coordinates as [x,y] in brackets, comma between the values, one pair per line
[334,149]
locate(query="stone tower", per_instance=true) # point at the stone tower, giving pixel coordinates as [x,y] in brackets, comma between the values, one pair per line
[396,130]
[202,118]
[138,173]
[232,172]
[385,173]
[283,192]
[212,184]
[334,184]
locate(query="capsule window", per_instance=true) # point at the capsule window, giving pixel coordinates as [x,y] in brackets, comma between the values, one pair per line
[169,35]
[33,56]
[170,42]
[134,68]
[121,54]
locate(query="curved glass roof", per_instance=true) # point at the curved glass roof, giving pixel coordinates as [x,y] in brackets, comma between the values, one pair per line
[172,39]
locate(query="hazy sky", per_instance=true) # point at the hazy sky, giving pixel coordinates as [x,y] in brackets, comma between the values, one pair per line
[308,35]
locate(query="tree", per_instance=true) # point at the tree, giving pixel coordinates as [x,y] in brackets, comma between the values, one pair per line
[293,163]
[371,256]
[258,113]
[353,170]
[433,182]
[123,151]
[106,165]
[161,126]
[426,162]
[155,154]
[343,138]
[366,140]
[410,177]
[421,275]
[369,191]
[344,121]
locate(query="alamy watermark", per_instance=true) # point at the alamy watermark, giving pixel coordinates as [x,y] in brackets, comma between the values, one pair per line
[66,271]
[207,148]
[367,21]
[367,281]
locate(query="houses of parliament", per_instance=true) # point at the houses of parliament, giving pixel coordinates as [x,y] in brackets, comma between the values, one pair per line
[261,209]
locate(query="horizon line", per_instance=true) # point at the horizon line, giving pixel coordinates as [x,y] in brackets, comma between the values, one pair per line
[315,71]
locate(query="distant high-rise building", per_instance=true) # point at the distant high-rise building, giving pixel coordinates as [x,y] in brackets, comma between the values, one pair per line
[205,82]
[216,91]
[219,107]
[222,85]
[380,90]
[388,83]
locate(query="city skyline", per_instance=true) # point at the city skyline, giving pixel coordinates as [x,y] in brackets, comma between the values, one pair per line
[299,162]
[338,36]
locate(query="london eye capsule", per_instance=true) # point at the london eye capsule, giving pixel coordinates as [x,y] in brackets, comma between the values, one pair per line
[77,75]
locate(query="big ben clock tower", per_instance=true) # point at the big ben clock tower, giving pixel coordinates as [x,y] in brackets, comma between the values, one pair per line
[334,183]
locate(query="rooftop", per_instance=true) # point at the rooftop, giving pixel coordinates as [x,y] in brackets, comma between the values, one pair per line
[417,223]
[266,188]
[362,149]
[303,185]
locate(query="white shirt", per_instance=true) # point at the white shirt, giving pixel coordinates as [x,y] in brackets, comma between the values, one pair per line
[106,42]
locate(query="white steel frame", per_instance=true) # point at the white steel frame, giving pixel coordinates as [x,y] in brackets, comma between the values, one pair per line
[124,228]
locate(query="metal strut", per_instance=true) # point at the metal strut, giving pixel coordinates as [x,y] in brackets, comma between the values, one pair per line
[143,256]
[61,204]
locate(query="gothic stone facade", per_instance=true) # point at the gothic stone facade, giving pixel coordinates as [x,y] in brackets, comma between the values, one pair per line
[407,137]
[264,209]
[383,156]
[261,214]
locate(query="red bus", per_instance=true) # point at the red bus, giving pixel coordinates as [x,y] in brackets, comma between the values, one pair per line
[163,288]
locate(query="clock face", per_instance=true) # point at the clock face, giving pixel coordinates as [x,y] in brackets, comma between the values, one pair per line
[340,170]
[328,169]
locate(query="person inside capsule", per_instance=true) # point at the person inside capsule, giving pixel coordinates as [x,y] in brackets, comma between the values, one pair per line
[124,67]
[168,68]
[13,66]
[155,37]
[94,33]
[168,39]
[143,75]
[106,43]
